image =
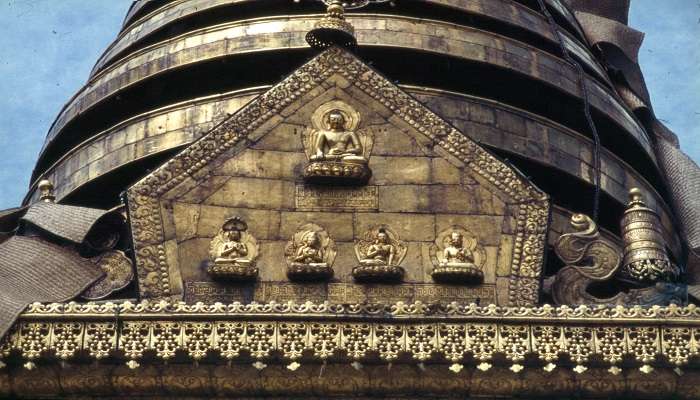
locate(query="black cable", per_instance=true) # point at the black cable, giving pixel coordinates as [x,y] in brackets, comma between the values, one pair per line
[586,106]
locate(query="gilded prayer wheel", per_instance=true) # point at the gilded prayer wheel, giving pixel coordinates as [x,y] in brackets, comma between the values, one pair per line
[645,259]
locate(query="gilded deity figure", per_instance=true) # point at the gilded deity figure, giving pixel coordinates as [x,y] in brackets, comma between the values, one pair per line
[455,254]
[379,254]
[337,143]
[310,251]
[457,257]
[233,252]
[338,150]
[310,254]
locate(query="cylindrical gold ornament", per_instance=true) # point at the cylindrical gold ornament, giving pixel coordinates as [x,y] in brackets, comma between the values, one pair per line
[645,259]
[332,30]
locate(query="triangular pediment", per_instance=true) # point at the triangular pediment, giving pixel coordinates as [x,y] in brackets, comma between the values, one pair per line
[425,175]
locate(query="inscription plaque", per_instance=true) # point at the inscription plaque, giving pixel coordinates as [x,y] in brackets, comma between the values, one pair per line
[338,293]
[210,292]
[312,198]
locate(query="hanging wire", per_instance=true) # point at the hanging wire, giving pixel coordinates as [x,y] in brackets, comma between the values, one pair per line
[586,106]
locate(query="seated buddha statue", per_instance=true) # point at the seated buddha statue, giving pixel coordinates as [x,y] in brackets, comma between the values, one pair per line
[455,254]
[309,252]
[381,252]
[232,250]
[337,143]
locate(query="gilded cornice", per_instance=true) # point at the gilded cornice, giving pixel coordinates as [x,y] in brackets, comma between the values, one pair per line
[619,337]
[596,315]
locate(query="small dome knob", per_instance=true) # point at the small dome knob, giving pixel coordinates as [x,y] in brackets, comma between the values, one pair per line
[636,198]
[46,191]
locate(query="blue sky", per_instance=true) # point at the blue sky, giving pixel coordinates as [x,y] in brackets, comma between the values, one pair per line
[47,48]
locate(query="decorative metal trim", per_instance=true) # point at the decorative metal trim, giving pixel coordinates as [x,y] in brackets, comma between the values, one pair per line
[675,315]
[667,335]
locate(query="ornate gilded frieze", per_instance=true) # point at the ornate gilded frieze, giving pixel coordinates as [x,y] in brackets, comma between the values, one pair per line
[525,207]
[640,338]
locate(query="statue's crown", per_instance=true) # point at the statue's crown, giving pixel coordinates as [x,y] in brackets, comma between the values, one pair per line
[235,224]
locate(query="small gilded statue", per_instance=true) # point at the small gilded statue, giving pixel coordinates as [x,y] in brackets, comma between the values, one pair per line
[233,252]
[310,254]
[336,151]
[455,254]
[457,257]
[337,143]
[379,255]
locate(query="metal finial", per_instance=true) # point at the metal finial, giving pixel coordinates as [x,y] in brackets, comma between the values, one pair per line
[333,29]
[636,198]
[46,189]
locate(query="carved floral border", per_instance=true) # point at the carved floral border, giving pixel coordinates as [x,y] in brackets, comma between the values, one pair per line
[138,335]
[532,204]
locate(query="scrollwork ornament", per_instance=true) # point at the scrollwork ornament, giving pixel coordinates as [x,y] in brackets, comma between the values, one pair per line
[481,341]
[514,342]
[421,341]
[66,339]
[452,341]
[356,340]
[610,343]
[531,226]
[197,339]
[579,343]
[547,342]
[260,339]
[119,273]
[100,339]
[229,339]
[591,259]
[34,339]
[352,4]
[389,341]
[324,339]
[293,340]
